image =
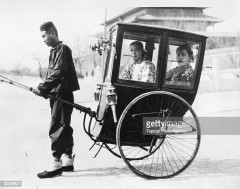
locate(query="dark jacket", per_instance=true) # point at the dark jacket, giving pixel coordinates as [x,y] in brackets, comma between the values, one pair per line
[61,74]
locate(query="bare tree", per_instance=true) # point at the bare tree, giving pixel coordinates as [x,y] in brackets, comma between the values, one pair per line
[39,60]
[82,55]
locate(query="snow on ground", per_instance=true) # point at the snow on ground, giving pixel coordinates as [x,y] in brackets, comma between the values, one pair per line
[24,145]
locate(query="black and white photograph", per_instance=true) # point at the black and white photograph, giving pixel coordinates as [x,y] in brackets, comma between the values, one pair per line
[120,94]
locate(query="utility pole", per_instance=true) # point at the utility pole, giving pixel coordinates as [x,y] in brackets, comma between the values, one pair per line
[104,36]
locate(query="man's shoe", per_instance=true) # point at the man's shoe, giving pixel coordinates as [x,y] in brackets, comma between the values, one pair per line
[69,168]
[55,170]
[68,163]
[50,174]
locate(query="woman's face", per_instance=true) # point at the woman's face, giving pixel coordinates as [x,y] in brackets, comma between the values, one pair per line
[183,58]
[136,52]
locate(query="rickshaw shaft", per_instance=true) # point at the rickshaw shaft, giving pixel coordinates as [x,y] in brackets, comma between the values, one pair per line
[77,106]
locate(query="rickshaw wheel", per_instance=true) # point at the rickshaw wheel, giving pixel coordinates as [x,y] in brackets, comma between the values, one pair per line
[113,148]
[164,154]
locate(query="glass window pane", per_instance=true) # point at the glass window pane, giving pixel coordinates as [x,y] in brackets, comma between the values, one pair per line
[181,65]
[155,54]
[139,57]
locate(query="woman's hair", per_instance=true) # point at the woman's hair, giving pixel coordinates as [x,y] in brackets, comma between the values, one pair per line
[187,48]
[139,45]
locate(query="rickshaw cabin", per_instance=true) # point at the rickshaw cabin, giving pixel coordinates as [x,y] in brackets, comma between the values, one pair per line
[161,46]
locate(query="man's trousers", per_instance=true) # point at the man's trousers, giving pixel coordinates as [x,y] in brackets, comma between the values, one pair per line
[60,132]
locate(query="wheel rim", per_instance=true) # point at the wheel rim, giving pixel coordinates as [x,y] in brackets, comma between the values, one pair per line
[169,154]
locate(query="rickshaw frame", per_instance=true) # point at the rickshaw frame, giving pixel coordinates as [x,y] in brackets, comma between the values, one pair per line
[119,99]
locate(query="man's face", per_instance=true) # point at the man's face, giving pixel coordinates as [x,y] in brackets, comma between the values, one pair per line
[48,38]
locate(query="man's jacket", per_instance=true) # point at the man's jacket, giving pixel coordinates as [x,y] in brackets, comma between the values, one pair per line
[61,74]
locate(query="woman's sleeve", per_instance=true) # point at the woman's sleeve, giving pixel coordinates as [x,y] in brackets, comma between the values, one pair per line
[169,75]
[148,72]
[126,73]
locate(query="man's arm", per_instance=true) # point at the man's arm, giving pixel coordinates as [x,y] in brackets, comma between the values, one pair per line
[57,73]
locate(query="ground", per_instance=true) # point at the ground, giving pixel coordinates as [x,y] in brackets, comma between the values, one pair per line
[24,145]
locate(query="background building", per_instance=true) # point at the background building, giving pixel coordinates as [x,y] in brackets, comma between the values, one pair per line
[185,18]
[222,54]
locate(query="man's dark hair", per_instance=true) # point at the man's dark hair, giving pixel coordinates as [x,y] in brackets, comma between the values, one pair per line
[49,27]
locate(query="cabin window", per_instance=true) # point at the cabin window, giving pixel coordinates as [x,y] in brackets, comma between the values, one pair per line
[181,63]
[139,57]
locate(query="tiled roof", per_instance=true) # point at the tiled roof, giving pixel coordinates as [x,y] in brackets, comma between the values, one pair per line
[183,18]
[130,11]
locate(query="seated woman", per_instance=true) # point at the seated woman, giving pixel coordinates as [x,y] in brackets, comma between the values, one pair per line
[140,69]
[183,74]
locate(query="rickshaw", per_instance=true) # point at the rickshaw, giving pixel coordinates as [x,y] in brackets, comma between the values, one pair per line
[150,125]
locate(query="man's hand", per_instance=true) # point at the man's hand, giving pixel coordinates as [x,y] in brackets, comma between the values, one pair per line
[36,92]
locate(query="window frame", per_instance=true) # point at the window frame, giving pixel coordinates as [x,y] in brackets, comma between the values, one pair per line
[110,59]
[198,67]
[120,37]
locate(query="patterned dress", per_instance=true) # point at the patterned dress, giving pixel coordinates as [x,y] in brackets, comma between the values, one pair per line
[141,70]
[181,75]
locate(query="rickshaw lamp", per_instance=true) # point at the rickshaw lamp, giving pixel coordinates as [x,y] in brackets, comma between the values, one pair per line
[97,93]
[111,96]
[112,101]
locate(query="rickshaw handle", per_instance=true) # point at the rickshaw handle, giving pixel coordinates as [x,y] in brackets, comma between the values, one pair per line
[77,106]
